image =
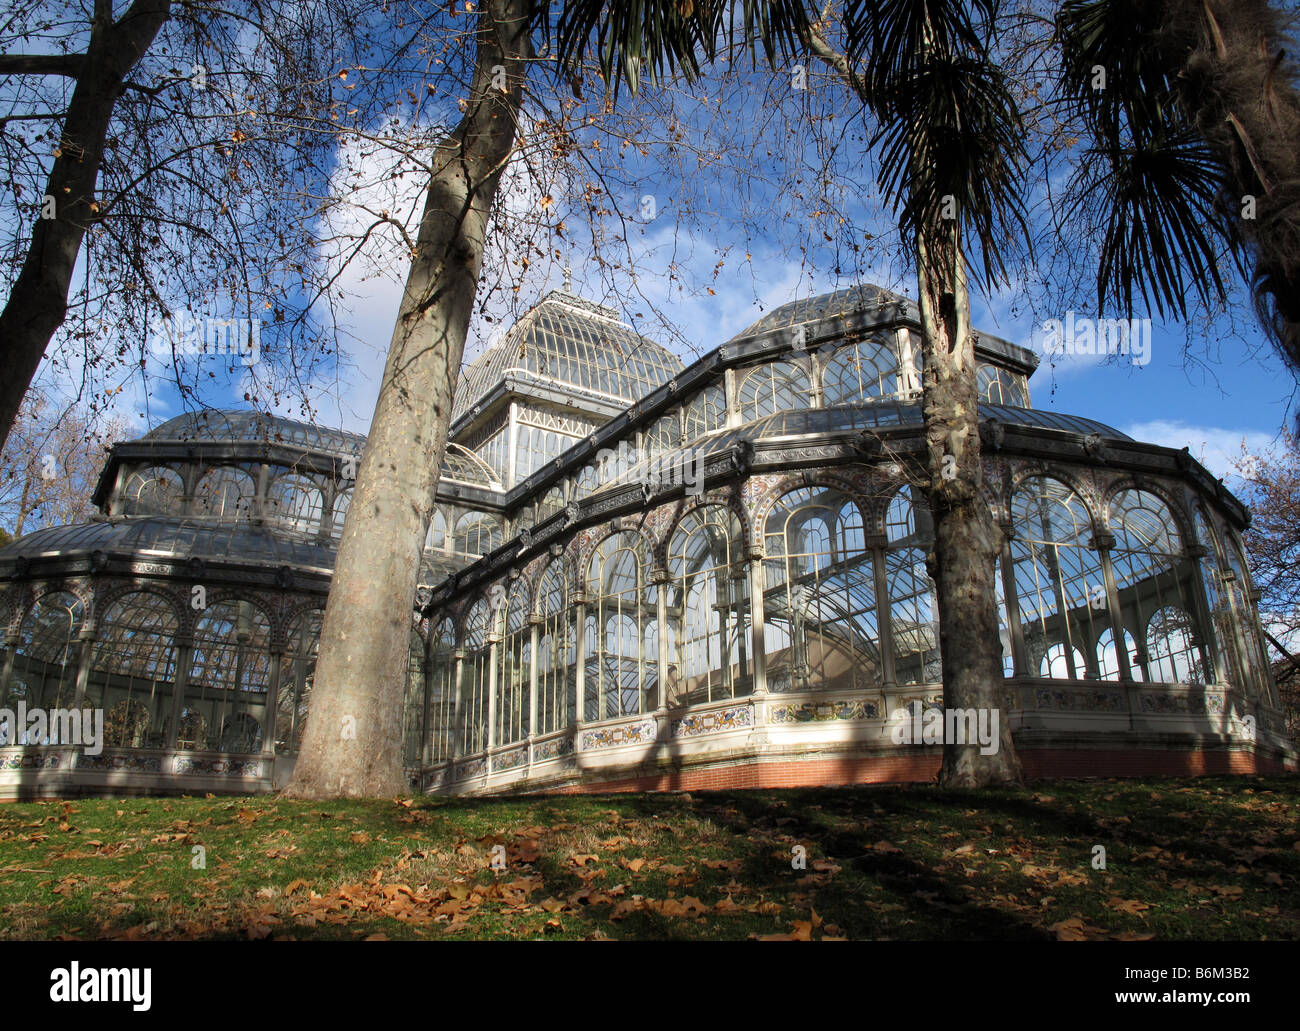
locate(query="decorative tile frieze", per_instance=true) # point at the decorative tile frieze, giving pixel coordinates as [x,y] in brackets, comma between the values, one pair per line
[639,733]
[714,722]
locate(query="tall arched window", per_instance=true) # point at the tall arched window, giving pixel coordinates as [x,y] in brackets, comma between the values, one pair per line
[297,674]
[45,659]
[475,680]
[704,413]
[413,710]
[621,604]
[339,514]
[820,598]
[552,502]
[436,538]
[1155,583]
[157,490]
[514,665]
[442,691]
[230,676]
[774,387]
[133,674]
[1173,656]
[1060,584]
[1228,664]
[709,644]
[295,502]
[866,370]
[477,533]
[1258,670]
[225,493]
[556,651]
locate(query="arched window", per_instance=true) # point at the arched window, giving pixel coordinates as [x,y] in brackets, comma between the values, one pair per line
[133,673]
[477,533]
[339,514]
[1060,584]
[413,709]
[45,659]
[1173,657]
[157,490]
[709,644]
[436,538]
[556,651]
[621,604]
[1258,671]
[1156,585]
[820,598]
[225,493]
[775,387]
[704,413]
[297,674]
[295,502]
[442,691]
[1108,660]
[864,371]
[1228,662]
[1000,386]
[551,503]
[1058,663]
[230,676]
[475,679]
[587,481]
[665,434]
[514,665]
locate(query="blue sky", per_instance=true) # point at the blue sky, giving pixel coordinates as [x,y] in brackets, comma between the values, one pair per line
[750,229]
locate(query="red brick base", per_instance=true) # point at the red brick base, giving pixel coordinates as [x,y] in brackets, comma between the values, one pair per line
[1037,764]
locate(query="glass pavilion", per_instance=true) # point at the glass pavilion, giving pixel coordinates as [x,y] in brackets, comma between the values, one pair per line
[586,623]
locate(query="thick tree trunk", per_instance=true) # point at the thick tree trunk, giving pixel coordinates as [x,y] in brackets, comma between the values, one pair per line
[38,302]
[966,537]
[352,746]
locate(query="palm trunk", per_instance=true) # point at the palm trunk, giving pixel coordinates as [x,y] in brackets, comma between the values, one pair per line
[1238,84]
[352,745]
[966,537]
[38,302]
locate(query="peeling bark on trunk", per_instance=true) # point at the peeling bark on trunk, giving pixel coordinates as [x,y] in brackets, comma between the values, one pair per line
[352,745]
[38,302]
[966,537]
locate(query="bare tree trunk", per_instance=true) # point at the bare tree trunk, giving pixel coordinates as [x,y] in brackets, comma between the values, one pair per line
[966,537]
[352,745]
[38,302]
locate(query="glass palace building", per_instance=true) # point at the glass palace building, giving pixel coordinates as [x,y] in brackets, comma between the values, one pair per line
[645,575]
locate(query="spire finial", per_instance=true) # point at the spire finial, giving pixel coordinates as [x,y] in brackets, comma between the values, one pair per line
[568,278]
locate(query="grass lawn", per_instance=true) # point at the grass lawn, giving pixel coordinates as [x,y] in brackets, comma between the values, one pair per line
[1207,858]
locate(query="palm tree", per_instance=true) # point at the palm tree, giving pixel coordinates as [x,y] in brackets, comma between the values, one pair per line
[1195,132]
[951,154]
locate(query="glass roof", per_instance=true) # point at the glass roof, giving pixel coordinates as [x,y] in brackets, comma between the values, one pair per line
[575,343]
[874,415]
[218,425]
[832,305]
[169,536]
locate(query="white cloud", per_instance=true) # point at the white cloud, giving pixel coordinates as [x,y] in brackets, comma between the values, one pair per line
[1214,447]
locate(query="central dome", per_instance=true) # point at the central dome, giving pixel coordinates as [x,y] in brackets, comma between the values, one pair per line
[575,344]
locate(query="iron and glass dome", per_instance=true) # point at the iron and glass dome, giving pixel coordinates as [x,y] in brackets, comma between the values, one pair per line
[576,344]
